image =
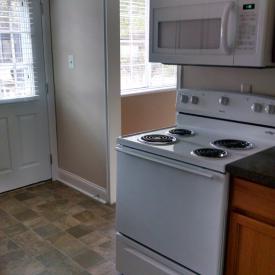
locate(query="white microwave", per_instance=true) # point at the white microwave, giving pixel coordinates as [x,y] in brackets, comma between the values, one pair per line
[213,32]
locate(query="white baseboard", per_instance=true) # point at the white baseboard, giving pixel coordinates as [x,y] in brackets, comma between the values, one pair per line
[84,186]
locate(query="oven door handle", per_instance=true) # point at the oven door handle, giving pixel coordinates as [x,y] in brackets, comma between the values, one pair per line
[166,163]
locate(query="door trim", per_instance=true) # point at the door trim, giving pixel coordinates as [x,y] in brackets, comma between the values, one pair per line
[113,97]
[48,57]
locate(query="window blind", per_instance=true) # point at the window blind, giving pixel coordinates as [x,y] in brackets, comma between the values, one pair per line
[136,71]
[17,68]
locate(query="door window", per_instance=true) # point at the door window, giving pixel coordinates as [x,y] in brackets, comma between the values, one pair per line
[17,74]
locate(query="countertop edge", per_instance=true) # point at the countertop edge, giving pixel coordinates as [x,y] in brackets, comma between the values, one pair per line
[264,174]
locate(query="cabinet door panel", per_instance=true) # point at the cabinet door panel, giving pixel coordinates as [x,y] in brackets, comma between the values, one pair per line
[251,248]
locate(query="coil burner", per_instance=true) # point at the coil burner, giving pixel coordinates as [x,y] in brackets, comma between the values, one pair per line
[210,153]
[158,139]
[233,144]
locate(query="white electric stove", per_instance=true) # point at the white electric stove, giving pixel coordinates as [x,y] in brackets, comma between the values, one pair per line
[173,186]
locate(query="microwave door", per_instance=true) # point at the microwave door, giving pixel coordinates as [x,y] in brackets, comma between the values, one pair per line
[195,33]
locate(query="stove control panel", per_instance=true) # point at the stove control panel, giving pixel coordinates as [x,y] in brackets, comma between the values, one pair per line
[257,109]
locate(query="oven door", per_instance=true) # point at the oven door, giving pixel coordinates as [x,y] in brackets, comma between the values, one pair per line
[193,32]
[175,209]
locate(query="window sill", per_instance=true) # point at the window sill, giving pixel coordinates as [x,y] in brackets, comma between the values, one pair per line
[19,100]
[139,92]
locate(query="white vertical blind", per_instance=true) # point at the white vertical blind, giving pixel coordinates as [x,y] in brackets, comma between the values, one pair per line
[136,71]
[17,77]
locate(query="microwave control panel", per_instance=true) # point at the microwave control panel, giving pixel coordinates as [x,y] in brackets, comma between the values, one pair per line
[247,37]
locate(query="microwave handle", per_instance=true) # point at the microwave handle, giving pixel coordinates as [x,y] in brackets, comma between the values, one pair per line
[224,28]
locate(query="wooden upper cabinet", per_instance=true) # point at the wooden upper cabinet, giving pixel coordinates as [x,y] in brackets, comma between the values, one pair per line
[251,239]
[251,248]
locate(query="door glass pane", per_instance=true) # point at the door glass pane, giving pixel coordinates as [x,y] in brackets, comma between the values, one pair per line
[18,51]
[16,54]
[6,48]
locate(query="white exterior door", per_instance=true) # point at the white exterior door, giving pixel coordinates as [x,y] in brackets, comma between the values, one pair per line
[24,134]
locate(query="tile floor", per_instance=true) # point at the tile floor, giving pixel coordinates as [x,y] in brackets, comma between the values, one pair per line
[51,229]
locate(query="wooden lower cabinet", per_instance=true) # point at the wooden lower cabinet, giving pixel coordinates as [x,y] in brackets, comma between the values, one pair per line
[251,236]
[251,248]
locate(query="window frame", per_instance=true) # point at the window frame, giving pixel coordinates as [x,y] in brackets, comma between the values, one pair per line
[136,92]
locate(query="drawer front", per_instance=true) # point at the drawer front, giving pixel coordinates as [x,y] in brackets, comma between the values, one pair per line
[254,199]
[134,259]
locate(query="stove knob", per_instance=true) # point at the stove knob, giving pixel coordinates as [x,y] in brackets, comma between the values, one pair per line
[257,108]
[184,99]
[195,100]
[224,101]
[270,109]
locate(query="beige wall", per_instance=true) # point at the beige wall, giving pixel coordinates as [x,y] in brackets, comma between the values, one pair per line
[161,106]
[262,80]
[78,29]
[147,112]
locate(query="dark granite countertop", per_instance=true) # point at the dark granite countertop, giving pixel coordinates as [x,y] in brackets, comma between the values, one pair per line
[259,168]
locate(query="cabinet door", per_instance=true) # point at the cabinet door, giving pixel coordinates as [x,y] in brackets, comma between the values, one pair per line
[251,248]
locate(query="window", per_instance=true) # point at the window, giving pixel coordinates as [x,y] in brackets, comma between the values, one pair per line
[16,57]
[136,71]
